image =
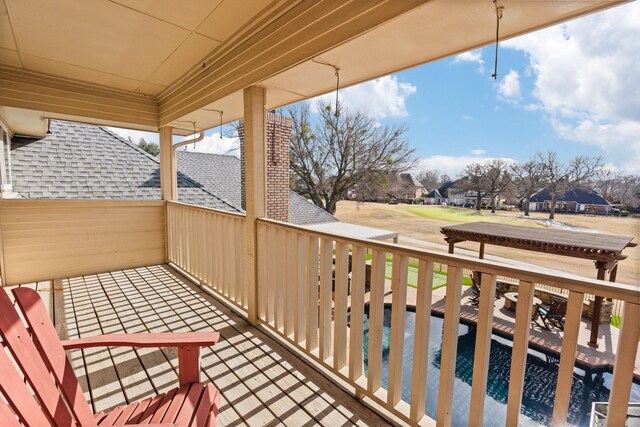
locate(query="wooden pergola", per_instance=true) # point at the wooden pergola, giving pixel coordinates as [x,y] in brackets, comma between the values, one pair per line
[604,249]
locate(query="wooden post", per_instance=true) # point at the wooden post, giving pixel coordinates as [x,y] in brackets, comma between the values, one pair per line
[255,185]
[482,250]
[597,303]
[451,246]
[168,176]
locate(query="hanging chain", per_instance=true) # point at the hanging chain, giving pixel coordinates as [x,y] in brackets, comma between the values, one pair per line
[499,10]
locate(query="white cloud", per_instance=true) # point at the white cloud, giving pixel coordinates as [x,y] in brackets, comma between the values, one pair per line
[452,165]
[210,144]
[380,98]
[213,144]
[509,87]
[478,152]
[586,80]
[471,56]
[135,135]
[466,117]
[532,107]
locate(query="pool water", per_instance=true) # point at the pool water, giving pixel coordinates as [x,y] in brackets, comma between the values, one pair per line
[539,383]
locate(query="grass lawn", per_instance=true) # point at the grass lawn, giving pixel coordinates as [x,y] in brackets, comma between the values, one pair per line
[439,277]
[460,215]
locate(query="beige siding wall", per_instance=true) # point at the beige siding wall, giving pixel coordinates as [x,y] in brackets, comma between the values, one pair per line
[47,239]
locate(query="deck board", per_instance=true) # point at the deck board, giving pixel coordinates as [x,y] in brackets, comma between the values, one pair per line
[261,382]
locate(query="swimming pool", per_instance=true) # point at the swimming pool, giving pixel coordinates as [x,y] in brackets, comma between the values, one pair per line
[539,384]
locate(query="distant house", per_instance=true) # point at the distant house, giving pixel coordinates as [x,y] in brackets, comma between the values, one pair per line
[447,193]
[408,187]
[576,200]
[82,161]
[399,186]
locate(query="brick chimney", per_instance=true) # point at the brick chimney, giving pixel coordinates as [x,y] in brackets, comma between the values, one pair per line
[277,154]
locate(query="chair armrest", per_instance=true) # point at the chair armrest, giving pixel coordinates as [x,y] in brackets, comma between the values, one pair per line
[188,344]
[165,339]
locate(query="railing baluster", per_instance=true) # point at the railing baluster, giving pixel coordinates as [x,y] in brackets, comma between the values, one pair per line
[376,319]
[281,252]
[243,261]
[398,315]
[326,261]
[233,261]
[312,297]
[483,349]
[262,271]
[208,249]
[449,345]
[421,343]
[169,228]
[624,365]
[201,247]
[340,313]
[519,351]
[271,275]
[302,285]
[219,256]
[567,358]
[237,259]
[225,254]
[358,267]
[290,288]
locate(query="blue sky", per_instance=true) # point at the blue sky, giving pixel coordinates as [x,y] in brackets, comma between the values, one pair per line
[572,88]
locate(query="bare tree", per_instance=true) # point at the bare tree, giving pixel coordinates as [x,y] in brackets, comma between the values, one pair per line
[472,179]
[430,178]
[561,177]
[342,150]
[497,179]
[608,183]
[528,179]
[628,192]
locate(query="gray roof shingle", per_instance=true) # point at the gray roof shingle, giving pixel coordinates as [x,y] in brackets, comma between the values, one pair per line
[220,174]
[82,161]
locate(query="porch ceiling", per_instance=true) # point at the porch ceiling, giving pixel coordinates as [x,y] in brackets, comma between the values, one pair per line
[189,59]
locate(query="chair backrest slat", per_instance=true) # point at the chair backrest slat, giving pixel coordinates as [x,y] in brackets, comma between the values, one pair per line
[558,306]
[28,358]
[6,416]
[48,343]
[18,395]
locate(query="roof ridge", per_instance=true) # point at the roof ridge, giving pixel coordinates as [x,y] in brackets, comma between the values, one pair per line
[130,144]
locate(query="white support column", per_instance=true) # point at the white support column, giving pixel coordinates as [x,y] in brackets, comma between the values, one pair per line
[168,173]
[255,185]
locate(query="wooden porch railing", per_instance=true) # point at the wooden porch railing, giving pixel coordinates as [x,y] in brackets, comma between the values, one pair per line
[209,245]
[306,293]
[311,294]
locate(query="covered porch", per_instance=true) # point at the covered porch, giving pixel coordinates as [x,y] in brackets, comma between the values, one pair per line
[290,301]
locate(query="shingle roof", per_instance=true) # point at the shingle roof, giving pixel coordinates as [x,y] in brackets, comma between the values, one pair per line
[409,180]
[442,191]
[220,174]
[82,161]
[583,196]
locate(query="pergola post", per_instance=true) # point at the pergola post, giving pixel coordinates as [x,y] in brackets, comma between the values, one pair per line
[597,304]
[255,185]
[168,174]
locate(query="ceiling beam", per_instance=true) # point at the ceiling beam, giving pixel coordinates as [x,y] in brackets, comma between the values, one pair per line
[65,97]
[302,32]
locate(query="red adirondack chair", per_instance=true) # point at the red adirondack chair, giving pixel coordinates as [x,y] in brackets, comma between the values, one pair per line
[55,397]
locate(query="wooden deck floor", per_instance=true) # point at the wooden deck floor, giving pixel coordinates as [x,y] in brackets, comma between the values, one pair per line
[261,382]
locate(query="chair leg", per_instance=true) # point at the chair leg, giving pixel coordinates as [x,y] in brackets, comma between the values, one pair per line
[544,320]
